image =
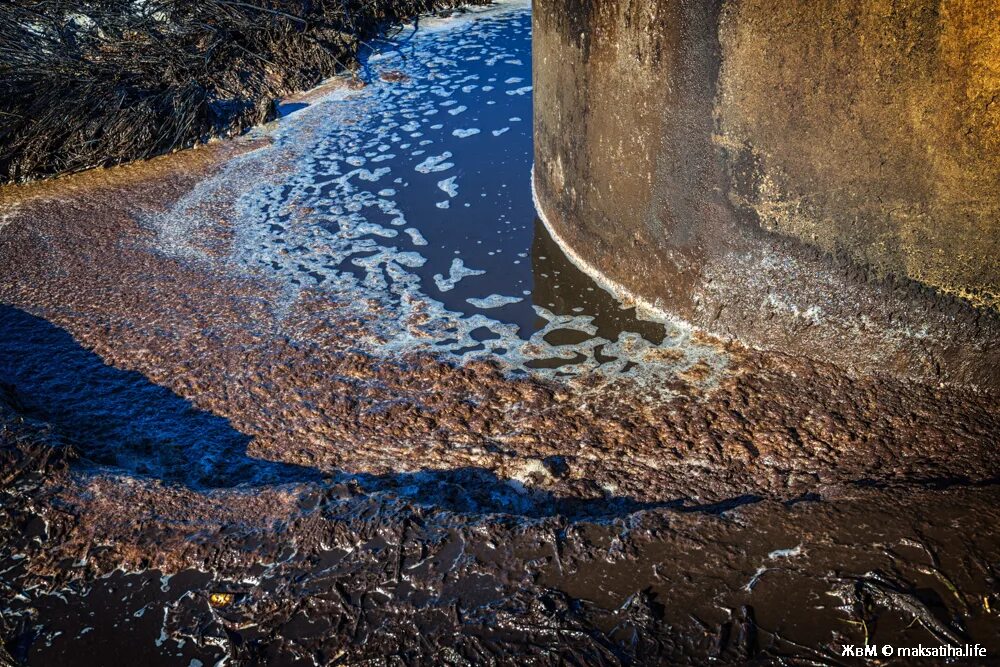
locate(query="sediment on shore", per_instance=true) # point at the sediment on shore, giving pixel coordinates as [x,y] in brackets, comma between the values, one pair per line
[85,85]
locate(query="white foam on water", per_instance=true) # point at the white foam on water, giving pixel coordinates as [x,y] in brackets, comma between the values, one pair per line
[456,272]
[415,236]
[494,301]
[448,186]
[323,220]
[435,163]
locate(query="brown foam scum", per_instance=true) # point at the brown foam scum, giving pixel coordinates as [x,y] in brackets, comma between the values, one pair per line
[442,510]
[776,425]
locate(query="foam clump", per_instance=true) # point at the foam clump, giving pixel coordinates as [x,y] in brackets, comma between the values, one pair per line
[326,220]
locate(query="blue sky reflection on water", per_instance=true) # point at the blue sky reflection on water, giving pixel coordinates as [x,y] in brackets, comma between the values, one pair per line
[410,200]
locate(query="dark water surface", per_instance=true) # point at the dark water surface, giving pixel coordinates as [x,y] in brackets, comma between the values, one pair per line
[407,203]
[413,195]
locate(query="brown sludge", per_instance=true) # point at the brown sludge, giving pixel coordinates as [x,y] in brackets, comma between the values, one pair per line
[809,503]
[314,504]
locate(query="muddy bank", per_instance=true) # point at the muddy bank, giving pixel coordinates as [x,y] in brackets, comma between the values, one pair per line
[255,409]
[357,507]
[85,85]
[331,574]
[298,385]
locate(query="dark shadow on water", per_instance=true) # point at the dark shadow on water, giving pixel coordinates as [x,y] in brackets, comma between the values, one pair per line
[121,421]
[723,506]
[479,491]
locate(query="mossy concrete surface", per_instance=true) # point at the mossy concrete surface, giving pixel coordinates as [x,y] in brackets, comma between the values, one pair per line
[817,177]
[875,130]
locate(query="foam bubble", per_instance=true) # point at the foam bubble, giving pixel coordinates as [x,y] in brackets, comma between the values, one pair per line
[435,163]
[449,186]
[318,221]
[456,272]
[494,301]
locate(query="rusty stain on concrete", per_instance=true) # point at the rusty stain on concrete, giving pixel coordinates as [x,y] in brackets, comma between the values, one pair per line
[875,132]
[809,177]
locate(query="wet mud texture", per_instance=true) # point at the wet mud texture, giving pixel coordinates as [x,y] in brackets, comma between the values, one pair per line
[297,385]
[816,179]
[326,574]
[415,510]
[198,466]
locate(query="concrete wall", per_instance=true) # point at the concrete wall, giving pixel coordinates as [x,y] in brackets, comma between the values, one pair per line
[819,176]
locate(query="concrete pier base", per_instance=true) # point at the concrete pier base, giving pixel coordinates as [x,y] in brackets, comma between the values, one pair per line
[817,178]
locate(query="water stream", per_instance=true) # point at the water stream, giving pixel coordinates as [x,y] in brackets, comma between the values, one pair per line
[410,200]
